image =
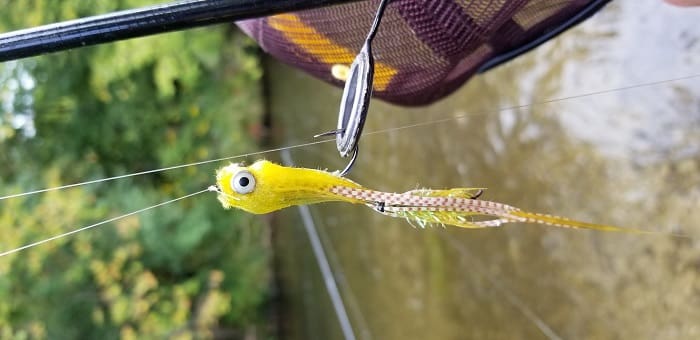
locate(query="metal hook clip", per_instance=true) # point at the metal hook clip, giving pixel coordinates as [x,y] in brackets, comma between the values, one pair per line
[356,97]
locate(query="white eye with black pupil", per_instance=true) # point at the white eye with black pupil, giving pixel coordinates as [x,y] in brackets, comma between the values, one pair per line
[243,182]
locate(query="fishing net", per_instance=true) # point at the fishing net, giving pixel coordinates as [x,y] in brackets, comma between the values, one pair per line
[425,49]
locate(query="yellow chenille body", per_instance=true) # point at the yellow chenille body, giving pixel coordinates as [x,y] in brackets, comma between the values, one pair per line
[279,187]
[264,187]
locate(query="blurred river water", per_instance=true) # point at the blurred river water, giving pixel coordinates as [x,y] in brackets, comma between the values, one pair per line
[629,158]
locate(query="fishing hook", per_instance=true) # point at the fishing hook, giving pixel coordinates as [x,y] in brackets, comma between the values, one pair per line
[356,97]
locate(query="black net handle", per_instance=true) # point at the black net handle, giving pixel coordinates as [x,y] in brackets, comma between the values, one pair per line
[142,22]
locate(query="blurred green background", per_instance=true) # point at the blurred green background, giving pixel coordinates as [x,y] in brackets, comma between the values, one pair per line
[186,270]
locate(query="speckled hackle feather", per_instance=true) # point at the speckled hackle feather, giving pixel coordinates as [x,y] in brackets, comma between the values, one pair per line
[265,187]
[443,207]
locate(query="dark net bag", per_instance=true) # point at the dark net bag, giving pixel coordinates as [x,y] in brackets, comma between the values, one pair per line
[425,49]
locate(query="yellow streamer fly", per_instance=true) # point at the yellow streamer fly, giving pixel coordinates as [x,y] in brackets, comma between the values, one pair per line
[265,187]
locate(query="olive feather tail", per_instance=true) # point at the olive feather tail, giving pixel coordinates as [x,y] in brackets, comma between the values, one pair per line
[563,222]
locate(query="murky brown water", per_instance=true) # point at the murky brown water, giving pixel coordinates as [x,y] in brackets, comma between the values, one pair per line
[629,158]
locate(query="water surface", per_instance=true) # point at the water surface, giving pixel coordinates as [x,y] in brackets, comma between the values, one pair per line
[629,158]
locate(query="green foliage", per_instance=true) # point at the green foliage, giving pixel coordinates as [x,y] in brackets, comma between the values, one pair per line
[186,270]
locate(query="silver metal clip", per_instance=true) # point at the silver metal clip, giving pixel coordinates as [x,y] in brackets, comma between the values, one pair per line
[356,97]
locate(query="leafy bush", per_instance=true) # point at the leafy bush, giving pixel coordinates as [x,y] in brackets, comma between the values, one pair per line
[189,269]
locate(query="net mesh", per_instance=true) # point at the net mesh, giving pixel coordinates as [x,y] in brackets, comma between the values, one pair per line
[424,50]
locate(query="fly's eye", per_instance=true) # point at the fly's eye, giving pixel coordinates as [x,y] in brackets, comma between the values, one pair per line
[243,182]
